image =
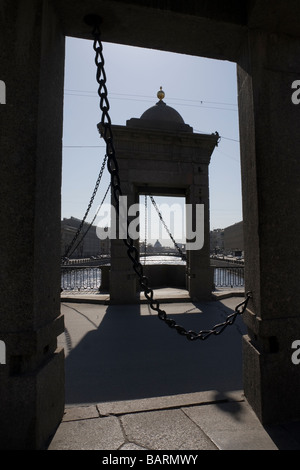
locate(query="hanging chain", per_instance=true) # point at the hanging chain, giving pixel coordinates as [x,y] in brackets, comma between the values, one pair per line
[68,250]
[112,164]
[166,228]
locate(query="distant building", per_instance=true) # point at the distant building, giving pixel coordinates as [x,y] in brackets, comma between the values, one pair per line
[217,240]
[105,246]
[91,244]
[234,238]
[68,232]
[157,246]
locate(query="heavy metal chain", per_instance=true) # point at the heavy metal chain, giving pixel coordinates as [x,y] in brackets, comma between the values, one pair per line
[68,250]
[112,164]
[166,228]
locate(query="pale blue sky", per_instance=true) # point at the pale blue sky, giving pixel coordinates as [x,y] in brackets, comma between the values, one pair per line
[203,91]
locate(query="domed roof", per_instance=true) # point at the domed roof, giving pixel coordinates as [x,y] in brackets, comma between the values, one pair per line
[161,116]
[162,112]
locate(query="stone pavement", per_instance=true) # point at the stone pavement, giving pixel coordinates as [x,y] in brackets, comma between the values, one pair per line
[132,383]
[203,421]
[161,294]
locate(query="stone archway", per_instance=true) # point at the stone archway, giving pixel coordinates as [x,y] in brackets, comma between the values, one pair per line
[160,154]
[265,43]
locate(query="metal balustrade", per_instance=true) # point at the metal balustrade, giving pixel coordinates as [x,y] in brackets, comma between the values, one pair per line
[229,276]
[90,278]
[80,278]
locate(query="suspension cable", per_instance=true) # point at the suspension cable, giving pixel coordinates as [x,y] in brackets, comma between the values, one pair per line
[91,223]
[68,250]
[167,229]
[113,168]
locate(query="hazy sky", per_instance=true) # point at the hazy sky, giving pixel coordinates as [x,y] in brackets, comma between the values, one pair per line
[203,91]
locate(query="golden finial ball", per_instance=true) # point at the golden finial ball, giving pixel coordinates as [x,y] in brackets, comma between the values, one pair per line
[160,94]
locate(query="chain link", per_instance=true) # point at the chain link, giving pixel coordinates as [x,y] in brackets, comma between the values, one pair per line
[112,164]
[68,251]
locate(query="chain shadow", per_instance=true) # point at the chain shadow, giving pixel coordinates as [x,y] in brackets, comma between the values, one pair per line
[134,355]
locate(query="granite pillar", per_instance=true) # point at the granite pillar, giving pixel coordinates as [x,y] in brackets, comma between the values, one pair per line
[199,270]
[32,379]
[123,283]
[270,184]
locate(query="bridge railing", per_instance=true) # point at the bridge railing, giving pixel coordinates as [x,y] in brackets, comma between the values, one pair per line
[229,276]
[84,278]
[96,278]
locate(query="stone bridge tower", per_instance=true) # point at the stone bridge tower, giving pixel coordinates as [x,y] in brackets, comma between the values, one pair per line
[159,154]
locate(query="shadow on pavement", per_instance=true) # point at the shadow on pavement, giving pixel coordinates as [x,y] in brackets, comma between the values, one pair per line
[132,354]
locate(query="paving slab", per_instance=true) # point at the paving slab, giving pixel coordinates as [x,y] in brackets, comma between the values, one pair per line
[174,423]
[165,430]
[231,426]
[77,413]
[167,402]
[89,434]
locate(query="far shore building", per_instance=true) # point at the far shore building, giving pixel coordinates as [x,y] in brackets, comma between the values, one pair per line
[217,240]
[91,244]
[234,238]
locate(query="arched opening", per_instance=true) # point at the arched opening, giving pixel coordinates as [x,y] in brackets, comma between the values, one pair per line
[207,103]
[205,112]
